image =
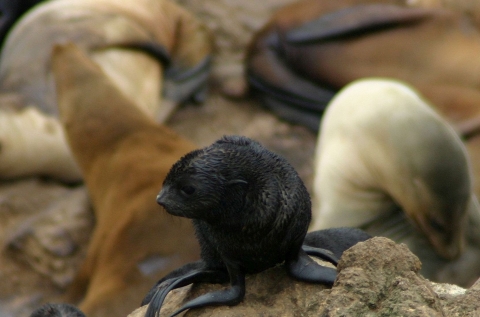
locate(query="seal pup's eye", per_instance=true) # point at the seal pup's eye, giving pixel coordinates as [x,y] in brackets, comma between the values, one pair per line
[188,190]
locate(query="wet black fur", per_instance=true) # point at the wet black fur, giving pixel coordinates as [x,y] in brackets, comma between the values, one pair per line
[336,240]
[249,207]
[249,204]
[57,310]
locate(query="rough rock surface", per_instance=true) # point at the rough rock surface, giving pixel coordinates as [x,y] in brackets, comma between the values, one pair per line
[376,278]
[44,227]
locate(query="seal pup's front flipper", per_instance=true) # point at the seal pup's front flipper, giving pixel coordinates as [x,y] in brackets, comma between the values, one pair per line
[230,296]
[189,276]
[303,268]
[181,271]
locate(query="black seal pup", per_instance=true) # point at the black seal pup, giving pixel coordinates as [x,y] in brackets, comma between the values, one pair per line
[250,210]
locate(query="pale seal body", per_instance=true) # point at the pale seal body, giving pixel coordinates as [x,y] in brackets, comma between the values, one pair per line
[115,34]
[383,150]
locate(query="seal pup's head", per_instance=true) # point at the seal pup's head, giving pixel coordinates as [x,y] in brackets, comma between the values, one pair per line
[200,183]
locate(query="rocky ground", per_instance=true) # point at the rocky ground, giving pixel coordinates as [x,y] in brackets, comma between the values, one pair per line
[375,278]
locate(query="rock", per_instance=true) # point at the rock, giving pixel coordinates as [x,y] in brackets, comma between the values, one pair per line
[51,240]
[53,222]
[381,277]
[44,229]
[464,305]
[376,278]
[272,292]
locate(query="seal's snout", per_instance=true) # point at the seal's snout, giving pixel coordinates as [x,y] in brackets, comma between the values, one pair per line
[161,197]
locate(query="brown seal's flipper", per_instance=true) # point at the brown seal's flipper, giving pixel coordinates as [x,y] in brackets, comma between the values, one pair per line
[155,50]
[289,95]
[190,84]
[297,115]
[292,95]
[187,75]
[332,43]
[355,20]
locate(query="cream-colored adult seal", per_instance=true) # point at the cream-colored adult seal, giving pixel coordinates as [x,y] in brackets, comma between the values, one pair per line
[385,159]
